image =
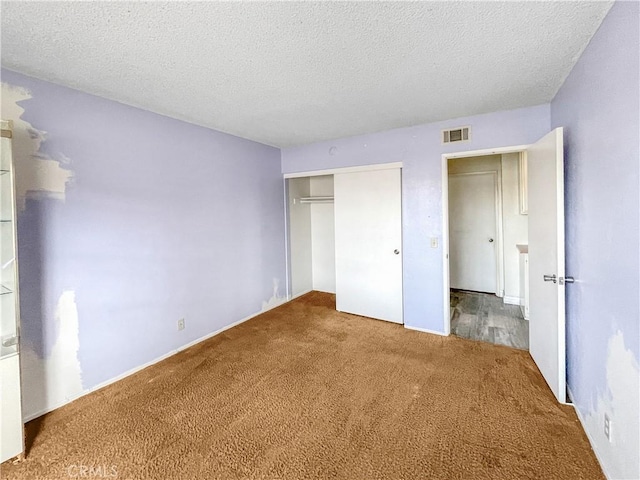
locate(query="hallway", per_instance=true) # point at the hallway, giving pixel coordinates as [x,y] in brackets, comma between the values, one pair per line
[484,317]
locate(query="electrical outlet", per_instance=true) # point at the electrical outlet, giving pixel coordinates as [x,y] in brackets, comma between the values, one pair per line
[607,427]
[181,324]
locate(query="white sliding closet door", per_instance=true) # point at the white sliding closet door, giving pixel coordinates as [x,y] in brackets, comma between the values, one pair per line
[368,229]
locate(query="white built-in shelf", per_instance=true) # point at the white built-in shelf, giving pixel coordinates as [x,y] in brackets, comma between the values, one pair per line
[5,290]
[12,443]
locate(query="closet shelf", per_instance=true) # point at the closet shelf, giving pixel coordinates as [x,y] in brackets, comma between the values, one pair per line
[315,199]
[4,290]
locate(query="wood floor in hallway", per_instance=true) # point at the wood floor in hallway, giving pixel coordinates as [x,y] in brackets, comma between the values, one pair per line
[484,317]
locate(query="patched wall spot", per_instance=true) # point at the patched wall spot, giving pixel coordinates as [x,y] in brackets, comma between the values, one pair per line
[37,174]
[56,379]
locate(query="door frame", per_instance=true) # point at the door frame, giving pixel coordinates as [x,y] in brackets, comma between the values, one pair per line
[497,205]
[333,171]
[445,220]
[316,173]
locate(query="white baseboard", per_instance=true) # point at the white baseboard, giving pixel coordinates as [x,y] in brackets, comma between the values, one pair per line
[293,297]
[512,300]
[323,291]
[425,330]
[583,423]
[106,383]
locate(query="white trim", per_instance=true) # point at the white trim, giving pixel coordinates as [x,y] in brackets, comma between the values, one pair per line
[426,330]
[446,306]
[523,197]
[333,171]
[106,383]
[499,234]
[293,297]
[445,218]
[287,267]
[586,431]
[512,300]
[486,151]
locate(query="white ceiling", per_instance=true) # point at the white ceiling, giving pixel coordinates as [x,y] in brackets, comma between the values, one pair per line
[293,73]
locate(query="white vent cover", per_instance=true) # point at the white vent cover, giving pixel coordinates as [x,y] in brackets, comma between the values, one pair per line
[453,135]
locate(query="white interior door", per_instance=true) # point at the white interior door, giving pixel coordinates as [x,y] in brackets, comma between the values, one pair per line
[546,260]
[472,232]
[368,244]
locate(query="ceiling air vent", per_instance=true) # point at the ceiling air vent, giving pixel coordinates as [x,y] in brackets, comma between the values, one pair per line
[453,135]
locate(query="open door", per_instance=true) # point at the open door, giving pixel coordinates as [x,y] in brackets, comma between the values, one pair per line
[368,232]
[546,260]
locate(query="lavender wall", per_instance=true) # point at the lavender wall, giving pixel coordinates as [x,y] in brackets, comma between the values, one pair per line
[420,150]
[161,220]
[599,107]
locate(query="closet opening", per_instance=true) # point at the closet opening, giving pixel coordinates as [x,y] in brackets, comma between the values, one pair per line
[345,238]
[311,235]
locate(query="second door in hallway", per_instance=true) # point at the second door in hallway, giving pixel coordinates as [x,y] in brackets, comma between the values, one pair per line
[472,231]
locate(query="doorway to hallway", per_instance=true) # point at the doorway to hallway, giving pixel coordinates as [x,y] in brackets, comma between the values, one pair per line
[543,203]
[485,317]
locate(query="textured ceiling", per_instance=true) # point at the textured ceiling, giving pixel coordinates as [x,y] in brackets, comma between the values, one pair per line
[292,73]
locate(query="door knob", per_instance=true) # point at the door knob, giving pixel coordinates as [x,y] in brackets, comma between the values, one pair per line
[396,251]
[10,341]
[550,278]
[491,240]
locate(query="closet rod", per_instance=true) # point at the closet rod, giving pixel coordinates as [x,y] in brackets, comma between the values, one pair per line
[315,199]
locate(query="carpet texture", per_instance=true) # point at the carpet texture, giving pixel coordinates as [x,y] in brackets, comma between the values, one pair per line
[303,391]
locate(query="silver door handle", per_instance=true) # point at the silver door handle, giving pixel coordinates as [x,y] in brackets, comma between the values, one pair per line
[396,251]
[491,240]
[550,278]
[566,280]
[10,341]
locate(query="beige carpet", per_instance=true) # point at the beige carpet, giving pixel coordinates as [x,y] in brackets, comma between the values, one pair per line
[306,392]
